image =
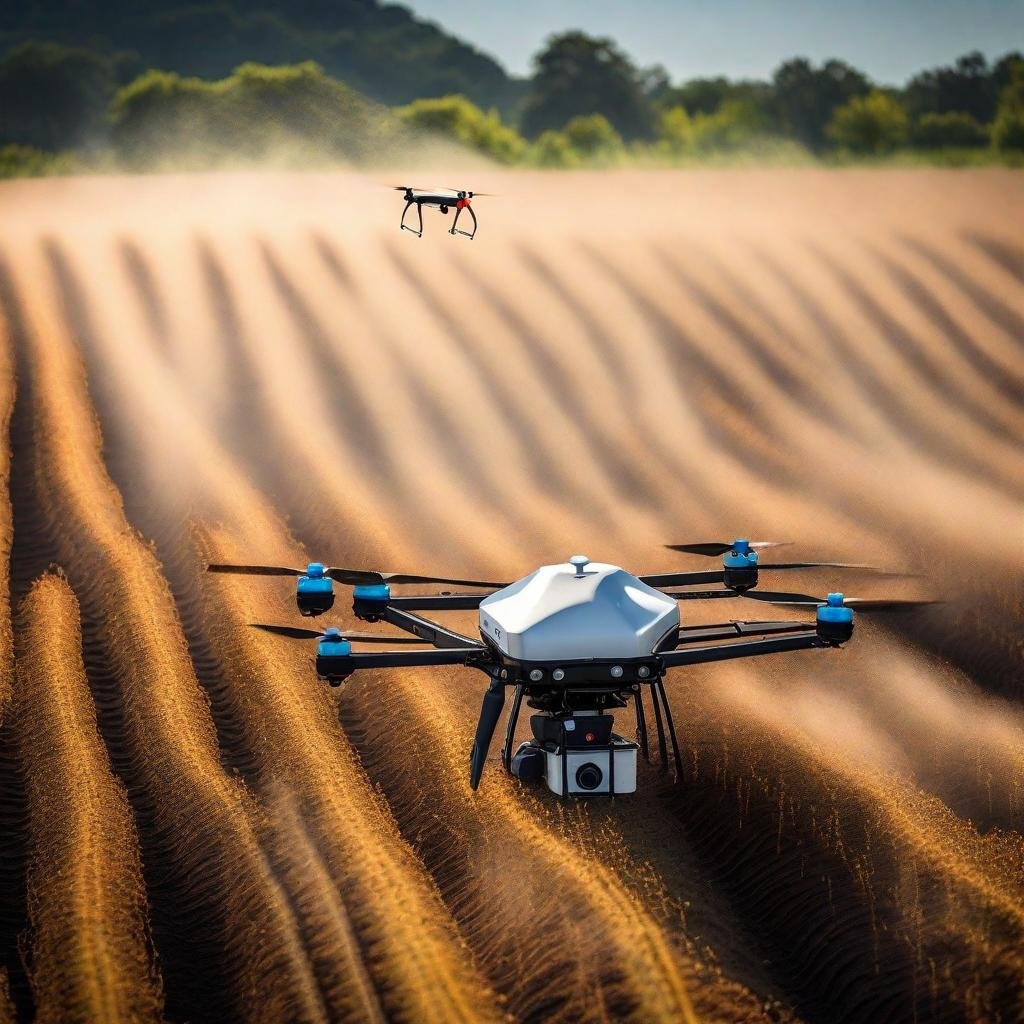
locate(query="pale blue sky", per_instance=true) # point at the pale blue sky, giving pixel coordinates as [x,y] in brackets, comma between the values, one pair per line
[890,39]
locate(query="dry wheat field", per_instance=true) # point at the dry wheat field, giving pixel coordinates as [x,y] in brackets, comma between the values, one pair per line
[261,367]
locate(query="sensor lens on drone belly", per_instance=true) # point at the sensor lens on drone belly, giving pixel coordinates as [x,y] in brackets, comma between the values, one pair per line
[578,755]
[314,592]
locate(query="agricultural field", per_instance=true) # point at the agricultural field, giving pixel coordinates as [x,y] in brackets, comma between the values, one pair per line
[262,368]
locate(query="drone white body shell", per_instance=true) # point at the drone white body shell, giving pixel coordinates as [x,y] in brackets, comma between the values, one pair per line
[577,612]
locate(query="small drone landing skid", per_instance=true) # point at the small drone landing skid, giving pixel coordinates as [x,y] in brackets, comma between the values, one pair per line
[419,198]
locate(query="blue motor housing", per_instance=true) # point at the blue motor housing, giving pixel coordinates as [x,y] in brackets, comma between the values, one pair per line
[370,601]
[332,657]
[740,566]
[314,592]
[835,621]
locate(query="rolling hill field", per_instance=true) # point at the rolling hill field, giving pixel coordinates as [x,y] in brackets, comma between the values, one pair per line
[262,368]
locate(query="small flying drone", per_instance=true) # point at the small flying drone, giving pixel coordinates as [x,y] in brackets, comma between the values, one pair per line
[443,200]
[576,641]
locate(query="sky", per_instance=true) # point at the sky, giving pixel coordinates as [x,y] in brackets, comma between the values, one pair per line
[889,39]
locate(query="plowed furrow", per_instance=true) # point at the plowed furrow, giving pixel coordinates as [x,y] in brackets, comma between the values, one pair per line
[894,880]
[418,967]
[272,372]
[209,878]
[88,942]
[430,984]
[12,797]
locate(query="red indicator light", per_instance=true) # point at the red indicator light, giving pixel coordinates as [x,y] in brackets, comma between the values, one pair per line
[590,737]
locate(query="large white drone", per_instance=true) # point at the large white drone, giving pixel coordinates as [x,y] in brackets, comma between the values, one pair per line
[576,640]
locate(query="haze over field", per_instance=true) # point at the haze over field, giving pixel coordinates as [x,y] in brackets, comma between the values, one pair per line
[262,368]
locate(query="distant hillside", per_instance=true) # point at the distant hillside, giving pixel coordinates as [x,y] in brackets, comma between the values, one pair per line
[381,50]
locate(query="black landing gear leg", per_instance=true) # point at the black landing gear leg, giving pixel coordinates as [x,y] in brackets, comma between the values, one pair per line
[510,728]
[419,211]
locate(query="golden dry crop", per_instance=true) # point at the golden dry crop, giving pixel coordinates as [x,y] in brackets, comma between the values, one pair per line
[261,368]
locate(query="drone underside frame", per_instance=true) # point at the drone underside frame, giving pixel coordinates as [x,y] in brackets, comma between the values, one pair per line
[442,204]
[557,687]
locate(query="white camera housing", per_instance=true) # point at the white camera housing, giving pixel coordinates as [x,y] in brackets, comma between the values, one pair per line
[623,752]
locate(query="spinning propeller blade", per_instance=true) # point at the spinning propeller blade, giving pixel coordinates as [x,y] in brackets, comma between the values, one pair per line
[490,712]
[364,576]
[295,632]
[352,577]
[713,548]
[298,633]
[256,570]
[860,604]
[828,565]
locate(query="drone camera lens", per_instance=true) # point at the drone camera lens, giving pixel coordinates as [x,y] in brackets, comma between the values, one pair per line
[536,674]
[643,671]
[558,674]
[616,671]
[589,776]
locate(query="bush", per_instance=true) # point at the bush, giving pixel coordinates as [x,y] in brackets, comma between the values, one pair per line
[875,123]
[954,130]
[594,140]
[553,149]
[736,125]
[26,162]
[676,136]
[294,113]
[457,119]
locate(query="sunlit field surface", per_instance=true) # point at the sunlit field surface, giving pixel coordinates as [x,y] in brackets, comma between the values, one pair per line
[262,368]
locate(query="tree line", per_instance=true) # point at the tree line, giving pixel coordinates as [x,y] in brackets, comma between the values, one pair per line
[586,104]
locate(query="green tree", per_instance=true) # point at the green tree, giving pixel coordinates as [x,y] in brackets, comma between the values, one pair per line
[456,118]
[968,86]
[805,97]
[1008,127]
[875,123]
[954,129]
[577,75]
[54,97]
[706,95]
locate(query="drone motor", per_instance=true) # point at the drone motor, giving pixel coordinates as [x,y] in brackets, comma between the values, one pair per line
[314,591]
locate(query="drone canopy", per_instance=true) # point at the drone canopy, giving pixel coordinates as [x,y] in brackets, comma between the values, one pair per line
[576,611]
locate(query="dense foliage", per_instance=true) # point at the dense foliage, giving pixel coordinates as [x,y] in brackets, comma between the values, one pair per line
[576,76]
[587,104]
[294,113]
[378,49]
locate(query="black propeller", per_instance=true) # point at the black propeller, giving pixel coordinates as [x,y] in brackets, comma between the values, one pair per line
[298,633]
[860,604]
[351,577]
[490,712]
[830,565]
[713,548]
[682,579]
